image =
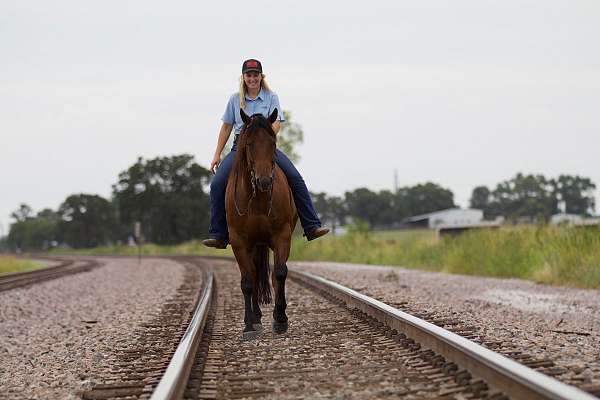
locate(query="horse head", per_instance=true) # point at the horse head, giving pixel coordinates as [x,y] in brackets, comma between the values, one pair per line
[258,141]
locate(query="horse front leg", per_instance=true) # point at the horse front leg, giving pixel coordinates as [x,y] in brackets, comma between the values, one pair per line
[281,249]
[256,312]
[280,319]
[248,287]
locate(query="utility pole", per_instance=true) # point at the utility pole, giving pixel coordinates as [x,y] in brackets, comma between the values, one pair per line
[137,233]
[395,181]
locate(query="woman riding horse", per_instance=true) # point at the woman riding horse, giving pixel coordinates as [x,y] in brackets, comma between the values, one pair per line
[254,97]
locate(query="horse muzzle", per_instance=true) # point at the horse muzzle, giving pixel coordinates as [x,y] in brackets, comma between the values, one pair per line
[264,183]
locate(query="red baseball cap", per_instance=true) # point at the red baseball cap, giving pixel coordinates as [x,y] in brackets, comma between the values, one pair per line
[251,65]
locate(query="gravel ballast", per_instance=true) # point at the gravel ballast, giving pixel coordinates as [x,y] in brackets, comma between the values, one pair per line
[55,336]
[328,352]
[556,323]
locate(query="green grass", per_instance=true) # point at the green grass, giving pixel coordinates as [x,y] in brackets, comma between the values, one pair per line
[555,255]
[194,247]
[387,248]
[10,264]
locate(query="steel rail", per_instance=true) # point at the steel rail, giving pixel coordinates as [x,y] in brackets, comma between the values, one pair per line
[504,374]
[174,380]
[66,267]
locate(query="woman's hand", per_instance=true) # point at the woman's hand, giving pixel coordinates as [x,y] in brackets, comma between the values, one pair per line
[215,163]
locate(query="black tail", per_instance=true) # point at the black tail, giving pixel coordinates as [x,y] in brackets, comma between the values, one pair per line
[261,262]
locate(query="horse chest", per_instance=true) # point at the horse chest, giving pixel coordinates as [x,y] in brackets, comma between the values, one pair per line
[259,225]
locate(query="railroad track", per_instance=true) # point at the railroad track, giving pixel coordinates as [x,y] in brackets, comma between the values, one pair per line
[341,344]
[65,267]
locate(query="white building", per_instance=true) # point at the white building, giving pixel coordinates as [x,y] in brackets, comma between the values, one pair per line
[447,218]
[564,218]
[572,219]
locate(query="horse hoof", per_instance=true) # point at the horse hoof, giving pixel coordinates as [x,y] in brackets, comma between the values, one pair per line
[258,327]
[280,327]
[249,335]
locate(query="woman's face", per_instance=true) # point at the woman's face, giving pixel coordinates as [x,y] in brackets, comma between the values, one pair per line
[252,80]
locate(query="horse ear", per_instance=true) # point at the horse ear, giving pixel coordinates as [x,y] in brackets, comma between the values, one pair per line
[273,116]
[245,117]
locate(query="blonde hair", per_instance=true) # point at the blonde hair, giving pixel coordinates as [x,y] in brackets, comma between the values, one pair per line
[243,90]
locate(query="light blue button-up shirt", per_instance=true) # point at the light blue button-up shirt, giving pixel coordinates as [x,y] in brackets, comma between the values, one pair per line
[264,104]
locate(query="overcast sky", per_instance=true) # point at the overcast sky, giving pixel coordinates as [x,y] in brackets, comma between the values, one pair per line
[461,93]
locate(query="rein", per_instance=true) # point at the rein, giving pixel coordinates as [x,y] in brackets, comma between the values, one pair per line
[253,182]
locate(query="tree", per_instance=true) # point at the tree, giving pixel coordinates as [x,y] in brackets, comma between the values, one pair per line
[391,208]
[386,208]
[48,228]
[86,220]
[525,196]
[321,204]
[364,204]
[289,137]
[338,212]
[168,195]
[427,197]
[47,213]
[331,209]
[32,233]
[22,214]
[577,193]
[481,199]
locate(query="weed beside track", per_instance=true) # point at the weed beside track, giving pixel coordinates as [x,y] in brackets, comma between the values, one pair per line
[554,255]
[10,264]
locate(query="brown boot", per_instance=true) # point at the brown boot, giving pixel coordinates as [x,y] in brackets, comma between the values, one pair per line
[216,243]
[316,233]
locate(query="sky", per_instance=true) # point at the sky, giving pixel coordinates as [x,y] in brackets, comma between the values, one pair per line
[459,93]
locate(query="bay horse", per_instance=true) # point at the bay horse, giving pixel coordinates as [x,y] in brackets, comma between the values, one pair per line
[261,215]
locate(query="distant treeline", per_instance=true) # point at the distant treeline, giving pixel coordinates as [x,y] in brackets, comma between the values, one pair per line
[169,197]
[523,198]
[536,198]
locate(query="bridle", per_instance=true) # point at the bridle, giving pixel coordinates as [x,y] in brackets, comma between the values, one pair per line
[250,163]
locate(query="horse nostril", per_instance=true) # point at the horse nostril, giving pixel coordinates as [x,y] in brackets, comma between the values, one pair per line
[264,183]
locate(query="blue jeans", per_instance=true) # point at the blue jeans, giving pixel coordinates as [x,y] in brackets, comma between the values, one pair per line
[218,223]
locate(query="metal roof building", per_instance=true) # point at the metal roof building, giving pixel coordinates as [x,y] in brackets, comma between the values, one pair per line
[448,217]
